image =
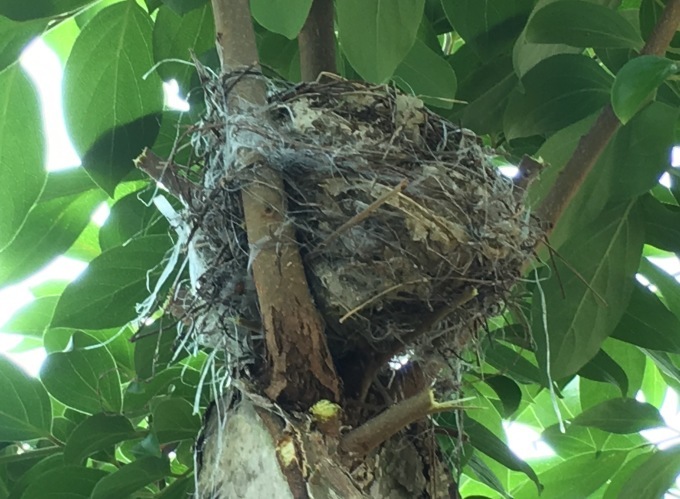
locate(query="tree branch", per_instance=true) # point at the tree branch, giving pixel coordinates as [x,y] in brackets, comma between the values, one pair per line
[591,145]
[300,368]
[368,436]
[317,41]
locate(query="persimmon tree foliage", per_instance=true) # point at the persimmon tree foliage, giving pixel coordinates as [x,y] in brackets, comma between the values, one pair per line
[141,395]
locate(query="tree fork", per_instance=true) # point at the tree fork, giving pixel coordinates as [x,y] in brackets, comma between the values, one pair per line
[300,366]
[593,143]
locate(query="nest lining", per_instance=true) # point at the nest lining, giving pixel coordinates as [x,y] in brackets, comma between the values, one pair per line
[396,211]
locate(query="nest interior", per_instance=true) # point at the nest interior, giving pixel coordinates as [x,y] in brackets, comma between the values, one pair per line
[397,213]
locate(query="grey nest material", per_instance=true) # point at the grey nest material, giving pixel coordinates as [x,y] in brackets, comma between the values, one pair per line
[397,211]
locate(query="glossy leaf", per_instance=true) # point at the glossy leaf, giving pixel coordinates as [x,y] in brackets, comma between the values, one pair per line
[176,37]
[33,318]
[72,482]
[486,475]
[376,35]
[556,92]
[582,24]
[97,433]
[61,214]
[622,415]
[487,442]
[508,392]
[105,295]
[131,477]
[648,323]
[654,476]
[662,224]
[427,75]
[576,440]
[636,82]
[488,26]
[615,487]
[84,378]
[284,17]
[603,368]
[25,412]
[173,420]
[22,173]
[605,255]
[16,35]
[579,476]
[131,217]
[631,360]
[183,7]
[23,11]
[512,363]
[667,284]
[107,101]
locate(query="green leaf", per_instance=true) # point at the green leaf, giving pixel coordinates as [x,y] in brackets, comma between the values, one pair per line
[35,471]
[489,26]
[22,175]
[576,440]
[666,283]
[376,35]
[64,482]
[97,433]
[662,224]
[32,319]
[173,420]
[637,80]
[84,378]
[556,92]
[601,263]
[154,349]
[426,74]
[508,392]
[131,217]
[579,476]
[654,476]
[179,489]
[105,294]
[648,323]
[178,381]
[485,441]
[618,480]
[182,7]
[24,11]
[131,477]
[54,224]
[486,474]
[15,36]
[25,410]
[603,368]
[630,359]
[175,37]
[511,363]
[109,106]
[622,415]
[580,23]
[284,17]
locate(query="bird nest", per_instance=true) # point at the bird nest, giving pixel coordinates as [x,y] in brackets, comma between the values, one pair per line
[398,214]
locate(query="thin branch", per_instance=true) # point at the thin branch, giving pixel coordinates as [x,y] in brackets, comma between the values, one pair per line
[317,41]
[163,173]
[591,145]
[368,436]
[300,367]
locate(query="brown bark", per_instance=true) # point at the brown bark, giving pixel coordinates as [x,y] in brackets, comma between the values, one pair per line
[300,368]
[317,41]
[592,144]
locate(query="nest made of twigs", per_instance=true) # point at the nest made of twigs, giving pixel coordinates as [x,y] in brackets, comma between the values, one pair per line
[397,211]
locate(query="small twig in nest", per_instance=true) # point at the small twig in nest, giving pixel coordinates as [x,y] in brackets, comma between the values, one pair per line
[360,217]
[162,172]
[373,298]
